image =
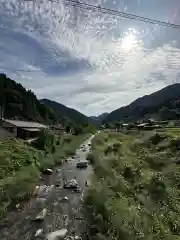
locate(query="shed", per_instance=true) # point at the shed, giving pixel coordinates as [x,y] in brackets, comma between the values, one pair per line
[23,129]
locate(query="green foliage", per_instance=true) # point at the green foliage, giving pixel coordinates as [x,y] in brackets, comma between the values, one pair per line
[90,157]
[22,104]
[162,105]
[70,115]
[21,164]
[19,171]
[135,190]
[46,141]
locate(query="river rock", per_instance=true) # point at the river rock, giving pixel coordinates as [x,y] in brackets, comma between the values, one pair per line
[41,215]
[38,232]
[65,198]
[48,171]
[18,206]
[71,184]
[77,238]
[57,235]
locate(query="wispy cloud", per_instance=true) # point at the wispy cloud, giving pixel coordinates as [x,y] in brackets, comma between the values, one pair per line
[84,59]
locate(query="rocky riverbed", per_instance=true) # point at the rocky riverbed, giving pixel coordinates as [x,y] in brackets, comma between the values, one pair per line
[54,210]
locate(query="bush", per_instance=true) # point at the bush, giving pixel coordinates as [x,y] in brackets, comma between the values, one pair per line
[116,146]
[109,149]
[19,171]
[157,138]
[135,192]
[46,142]
[175,143]
[90,157]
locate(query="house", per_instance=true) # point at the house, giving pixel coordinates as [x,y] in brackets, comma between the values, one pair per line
[22,129]
[125,124]
[58,129]
[142,125]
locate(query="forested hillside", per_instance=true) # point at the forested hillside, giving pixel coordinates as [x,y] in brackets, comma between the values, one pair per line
[19,103]
[69,113]
[161,105]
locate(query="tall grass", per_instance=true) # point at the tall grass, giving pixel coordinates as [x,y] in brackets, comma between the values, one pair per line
[19,171]
[21,164]
[136,187]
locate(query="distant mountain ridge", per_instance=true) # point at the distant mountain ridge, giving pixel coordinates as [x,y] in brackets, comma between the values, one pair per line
[100,118]
[163,104]
[68,113]
[21,104]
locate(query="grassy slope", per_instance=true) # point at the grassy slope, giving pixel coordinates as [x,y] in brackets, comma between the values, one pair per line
[20,166]
[135,191]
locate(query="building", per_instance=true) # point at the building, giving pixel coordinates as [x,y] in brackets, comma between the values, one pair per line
[58,129]
[22,129]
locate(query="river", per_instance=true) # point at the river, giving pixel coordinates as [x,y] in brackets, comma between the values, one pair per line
[64,206]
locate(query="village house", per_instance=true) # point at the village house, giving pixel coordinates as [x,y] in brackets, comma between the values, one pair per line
[20,129]
[58,129]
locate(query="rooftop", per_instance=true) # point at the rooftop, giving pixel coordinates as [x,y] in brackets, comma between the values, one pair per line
[25,124]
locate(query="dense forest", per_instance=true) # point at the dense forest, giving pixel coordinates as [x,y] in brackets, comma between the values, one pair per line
[161,105]
[19,103]
[68,113]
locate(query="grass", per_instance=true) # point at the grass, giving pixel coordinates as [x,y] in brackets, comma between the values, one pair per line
[68,147]
[19,171]
[21,166]
[135,193]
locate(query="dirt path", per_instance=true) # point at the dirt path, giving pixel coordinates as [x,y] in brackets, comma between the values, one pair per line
[61,212]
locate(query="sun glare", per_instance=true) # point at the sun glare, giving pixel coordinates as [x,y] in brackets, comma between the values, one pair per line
[129,41]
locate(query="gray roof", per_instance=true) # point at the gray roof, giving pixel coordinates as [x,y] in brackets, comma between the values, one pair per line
[125,124]
[32,129]
[142,125]
[25,124]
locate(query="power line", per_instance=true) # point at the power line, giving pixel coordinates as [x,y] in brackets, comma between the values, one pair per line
[109,11]
[113,12]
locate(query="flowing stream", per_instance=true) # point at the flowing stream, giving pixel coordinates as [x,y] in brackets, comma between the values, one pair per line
[64,206]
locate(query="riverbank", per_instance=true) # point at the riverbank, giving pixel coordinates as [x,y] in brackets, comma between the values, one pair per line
[21,167]
[135,188]
[64,206]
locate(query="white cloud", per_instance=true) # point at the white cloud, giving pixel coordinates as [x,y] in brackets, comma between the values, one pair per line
[92,62]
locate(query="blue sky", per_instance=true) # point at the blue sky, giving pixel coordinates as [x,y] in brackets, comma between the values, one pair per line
[86,60]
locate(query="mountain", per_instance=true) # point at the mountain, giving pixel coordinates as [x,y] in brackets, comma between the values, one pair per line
[100,118]
[68,113]
[161,105]
[22,104]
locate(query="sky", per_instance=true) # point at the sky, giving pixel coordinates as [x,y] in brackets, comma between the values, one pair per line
[87,60]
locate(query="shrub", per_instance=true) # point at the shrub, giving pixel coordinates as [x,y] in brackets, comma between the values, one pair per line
[108,149]
[157,188]
[45,141]
[157,138]
[175,143]
[90,157]
[116,146]
[19,171]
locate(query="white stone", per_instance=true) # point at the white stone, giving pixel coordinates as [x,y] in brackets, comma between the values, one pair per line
[56,235]
[48,170]
[42,214]
[65,198]
[38,232]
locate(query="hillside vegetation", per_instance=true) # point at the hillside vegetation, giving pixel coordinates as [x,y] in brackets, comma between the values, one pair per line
[161,105]
[21,164]
[136,186]
[69,113]
[19,103]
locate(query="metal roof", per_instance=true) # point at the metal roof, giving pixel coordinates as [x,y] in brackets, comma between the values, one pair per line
[31,129]
[125,124]
[142,125]
[25,124]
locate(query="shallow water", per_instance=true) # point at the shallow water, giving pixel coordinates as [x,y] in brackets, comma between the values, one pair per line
[61,213]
